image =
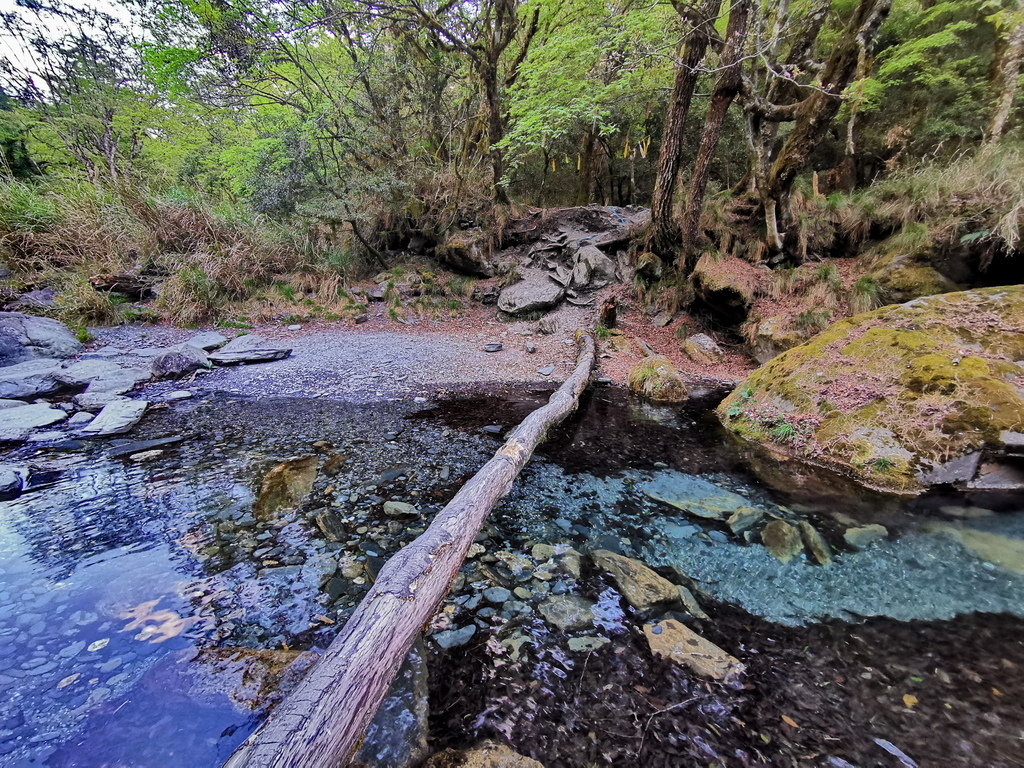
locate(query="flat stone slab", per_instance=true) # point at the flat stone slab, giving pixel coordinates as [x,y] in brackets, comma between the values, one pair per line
[208,340]
[116,418]
[27,337]
[33,378]
[694,495]
[17,423]
[249,349]
[535,293]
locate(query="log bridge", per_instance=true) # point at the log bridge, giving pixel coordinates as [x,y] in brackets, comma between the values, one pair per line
[321,723]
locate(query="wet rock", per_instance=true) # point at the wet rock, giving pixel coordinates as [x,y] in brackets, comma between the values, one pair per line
[207,340]
[286,485]
[536,292]
[859,538]
[26,337]
[991,547]
[694,495]
[542,552]
[568,612]
[519,565]
[179,361]
[453,638]
[400,509]
[17,423]
[587,643]
[672,640]
[249,349]
[701,348]
[686,597]
[138,446]
[782,540]
[397,736]
[34,378]
[744,518]
[999,476]
[642,587]
[958,470]
[116,418]
[815,544]
[656,378]
[12,481]
[487,755]
[497,595]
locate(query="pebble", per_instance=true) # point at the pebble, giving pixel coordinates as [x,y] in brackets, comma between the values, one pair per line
[546,371]
[497,595]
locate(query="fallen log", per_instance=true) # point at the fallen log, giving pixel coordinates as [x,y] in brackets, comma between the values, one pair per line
[320,724]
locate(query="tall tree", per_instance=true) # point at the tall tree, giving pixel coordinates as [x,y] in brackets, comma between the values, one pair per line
[1009,21]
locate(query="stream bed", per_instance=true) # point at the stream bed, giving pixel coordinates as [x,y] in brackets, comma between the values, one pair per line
[151,612]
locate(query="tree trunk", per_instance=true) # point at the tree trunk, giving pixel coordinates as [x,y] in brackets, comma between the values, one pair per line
[321,723]
[725,90]
[663,232]
[495,132]
[1008,73]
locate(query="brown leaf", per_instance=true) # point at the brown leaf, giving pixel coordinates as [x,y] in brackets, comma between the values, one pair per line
[909,699]
[789,721]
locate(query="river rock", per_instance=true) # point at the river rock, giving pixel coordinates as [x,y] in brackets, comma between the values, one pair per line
[486,755]
[96,401]
[1003,551]
[286,485]
[815,543]
[17,423]
[453,638]
[80,419]
[400,509]
[397,735]
[694,495]
[782,540]
[34,378]
[568,612]
[536,292]
[179,361]
[888,395]
[116,418]
[743,519]
[656,378]
[859,538]
[672,640]
[26,337]
[207,340]
[249,349]
[642,587]
[701,348]
[12,481]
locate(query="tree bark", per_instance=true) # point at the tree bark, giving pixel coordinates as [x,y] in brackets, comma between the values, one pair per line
[1008,73]
[321,723]
[663,231]
[726,87]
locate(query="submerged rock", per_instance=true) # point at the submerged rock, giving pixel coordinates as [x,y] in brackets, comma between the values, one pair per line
[1003,551]
[782,540]
[815,543]
[397,736]
[642,587]
[286,485]
[859,538]
[889,395]
[675,641]
[27,337]
[694,495]
[453,638]
[487,755]
[568,612]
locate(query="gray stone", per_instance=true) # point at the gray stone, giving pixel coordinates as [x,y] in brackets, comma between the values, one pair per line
[12,480]
[600,267]
[207,340]
[26,337]
[4,404]
[859,538]
[453,638]
[497,595]
[536,292]
[82,373]
[400,509]
[494,347]
[116,418]
[178,394]
[694,495]
[294,327]
[568,612]
[815,544]
[96,401]
[16,423]
[118,382]
[531,347]
[179,361]
[249,349]
[958,470]
[587,643]
[33,378]
[80,419]
[546,370]
[547,326]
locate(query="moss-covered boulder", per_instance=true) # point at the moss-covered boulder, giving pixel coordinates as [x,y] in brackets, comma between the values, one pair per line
[657,379]
[891,395]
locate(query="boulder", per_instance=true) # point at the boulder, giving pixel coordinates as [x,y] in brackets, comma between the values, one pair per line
[694,495]
[673,640]
[782,540]
[657,379]
[95,401]
[286,485]
[773,337]
[727,285]
[34,378]
[179,361]
[26,337]
[249,348]
[17,423]
[1003,551]
[12,481]
[642,587]
[887,396]
[701,348]
[536,292]
[84,372]
[815,543]
[116,418]
[600,266]
[903,274]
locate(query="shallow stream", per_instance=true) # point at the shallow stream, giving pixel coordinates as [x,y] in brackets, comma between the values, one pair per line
[149,616]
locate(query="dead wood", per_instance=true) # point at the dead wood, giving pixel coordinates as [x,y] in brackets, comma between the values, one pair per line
[320,724]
